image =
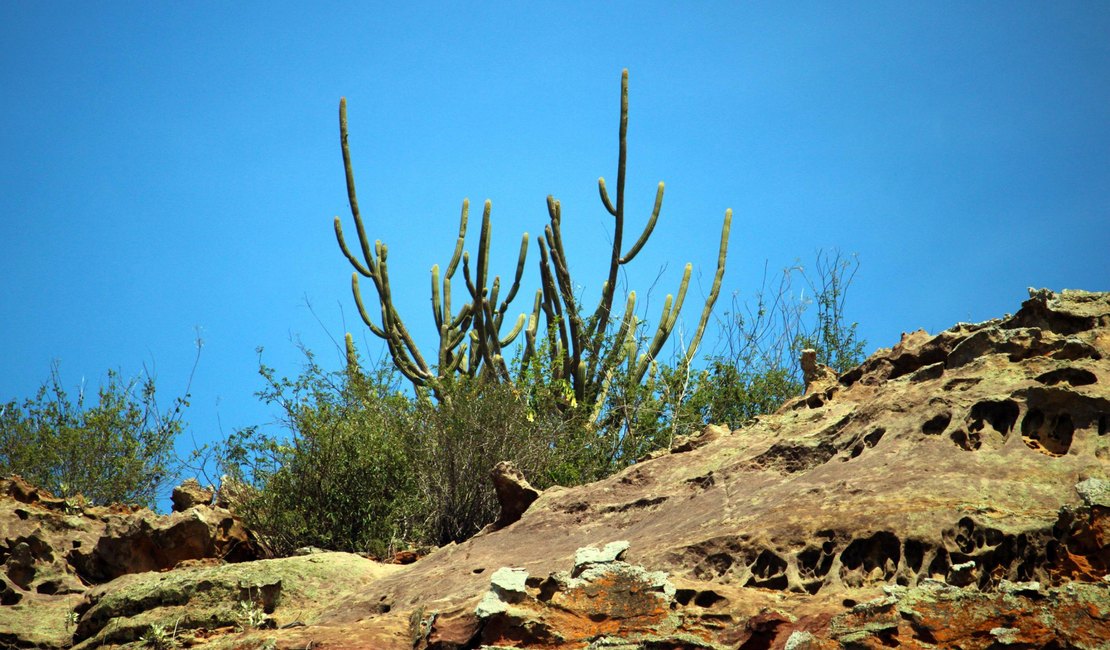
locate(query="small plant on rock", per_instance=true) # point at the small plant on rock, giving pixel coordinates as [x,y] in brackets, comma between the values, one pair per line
[159,637]
[249,615]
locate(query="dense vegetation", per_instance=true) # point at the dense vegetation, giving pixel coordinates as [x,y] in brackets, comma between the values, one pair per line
[367,465]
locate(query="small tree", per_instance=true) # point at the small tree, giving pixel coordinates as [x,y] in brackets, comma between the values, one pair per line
[119,450]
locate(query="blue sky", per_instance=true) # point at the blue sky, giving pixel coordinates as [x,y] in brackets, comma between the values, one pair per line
[166,167]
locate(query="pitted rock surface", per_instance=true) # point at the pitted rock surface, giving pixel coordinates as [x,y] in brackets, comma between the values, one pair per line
[947,493]
[52,550]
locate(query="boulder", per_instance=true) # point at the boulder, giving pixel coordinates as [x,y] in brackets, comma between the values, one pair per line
[189,494]
[52,550]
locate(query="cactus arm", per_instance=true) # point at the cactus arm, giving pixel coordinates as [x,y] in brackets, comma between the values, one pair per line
[530,334]
[511,336]
[605,196]
[494,291]
[466,276]
[483,249]
[618,351]
[552,305]
[660,337]
[395,325]
[553,234]
[521,258]
[667,323]
[464,318]
[605,304]
[379,332]
[722,254]
[368,272]
[647,229]
[463,217]
[570,323]
[437,307]
[352,195]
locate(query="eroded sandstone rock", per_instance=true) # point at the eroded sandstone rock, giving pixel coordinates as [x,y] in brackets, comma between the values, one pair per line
[189,494]
[950,492]
[52,550]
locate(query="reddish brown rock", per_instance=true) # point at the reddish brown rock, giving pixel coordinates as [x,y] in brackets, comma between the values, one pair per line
[951,492]
[514,493]
[189,494]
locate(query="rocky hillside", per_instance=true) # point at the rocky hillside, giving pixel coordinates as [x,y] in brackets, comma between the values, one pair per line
[951,492]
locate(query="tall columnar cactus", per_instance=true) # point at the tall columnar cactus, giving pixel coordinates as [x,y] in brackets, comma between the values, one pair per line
[470,340]
[586,355]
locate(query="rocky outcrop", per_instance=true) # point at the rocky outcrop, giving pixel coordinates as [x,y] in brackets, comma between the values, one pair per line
[951,492]
[514,494]
[52,550]
[190,494]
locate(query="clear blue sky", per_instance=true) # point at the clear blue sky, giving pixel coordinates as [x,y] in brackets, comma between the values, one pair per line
[171,166]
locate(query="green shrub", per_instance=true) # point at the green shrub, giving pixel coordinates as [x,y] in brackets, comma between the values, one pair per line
[475,424]
[341,477]
[119,450]
[366,467]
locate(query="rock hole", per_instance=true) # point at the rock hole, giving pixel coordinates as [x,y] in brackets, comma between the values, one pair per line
[889,637]
[1071,376]
[816,400]
[938,568]
[874,437]
[48,587]
[965,537]
[22,514]
[684,596]
[961,383]
[848,602]
[1001,415]
[967,441]
[8,596]
[933,371]
[478,570]
[1051,435]
[598,617]
[720,563]
[936,424]
[814,563]
[768,571]
[759,640]
[914,552]
[1103,424]
[920,632]
[76,543]
[709,598]
[548,588]
[871,559]
[703,482]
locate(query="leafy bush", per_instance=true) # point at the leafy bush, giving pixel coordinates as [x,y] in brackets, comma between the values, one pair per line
[475,424]
[119,450]
[342,478]
[367,467]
